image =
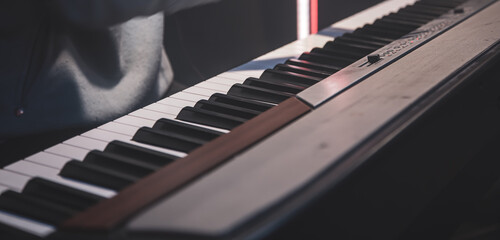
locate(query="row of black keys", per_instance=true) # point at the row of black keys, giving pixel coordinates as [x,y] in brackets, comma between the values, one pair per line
[247,100]
[121,164]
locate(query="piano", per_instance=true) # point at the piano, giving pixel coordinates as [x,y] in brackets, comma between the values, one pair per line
[359,129]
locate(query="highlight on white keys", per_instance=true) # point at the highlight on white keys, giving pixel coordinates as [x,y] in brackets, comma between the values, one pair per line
[307,18]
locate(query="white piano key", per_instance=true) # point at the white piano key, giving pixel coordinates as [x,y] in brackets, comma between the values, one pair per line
[68,151]
[164,108]
[306,44]
[280,55]
[188,97]
[214,86]
[33,227]
[48,159]
[119,128]
[200,91]
[106,136]
[86,143]
[233,76]
[224,81]
[151,115]
[135,121]
[13,181]
[29,170]
[249,73]
[176,102]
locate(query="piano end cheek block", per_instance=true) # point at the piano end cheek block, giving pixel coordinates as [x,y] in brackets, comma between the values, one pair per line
[110,213]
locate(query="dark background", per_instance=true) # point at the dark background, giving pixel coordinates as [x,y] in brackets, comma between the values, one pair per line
[207,40]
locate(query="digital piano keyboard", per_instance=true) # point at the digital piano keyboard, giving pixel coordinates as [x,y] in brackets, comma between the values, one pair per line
[239,154]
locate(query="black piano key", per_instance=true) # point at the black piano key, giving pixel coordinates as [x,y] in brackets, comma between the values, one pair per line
[394,27]
[387,29]
[339,52]
[358,49]
[96,175]
[302,70]
[257,93]
[358,40]
[13,233]
[167,139]
[33,207]
[369,37]
[325,59]
[408,24]
[226,109]
[316,66]
[185,129]
[411,17]
[136,152]
[431,7]
[120,163]
[60,194]
[209,118]
[378,31]
[240,102]
[280,87]
[429,10]
[430,14]
[274,75]
[406,18]
[444,4]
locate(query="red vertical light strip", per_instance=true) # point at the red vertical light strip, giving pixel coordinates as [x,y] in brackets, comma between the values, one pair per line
[314,16]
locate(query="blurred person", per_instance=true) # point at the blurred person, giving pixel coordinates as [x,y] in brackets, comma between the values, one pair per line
[69,65]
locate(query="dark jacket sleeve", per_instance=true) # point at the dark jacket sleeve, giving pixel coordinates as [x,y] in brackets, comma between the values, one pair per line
[103,13]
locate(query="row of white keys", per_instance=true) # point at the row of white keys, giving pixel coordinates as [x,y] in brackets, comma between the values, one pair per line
[223,82]
[122,129]
[22,171]
[171,106]
[48,159]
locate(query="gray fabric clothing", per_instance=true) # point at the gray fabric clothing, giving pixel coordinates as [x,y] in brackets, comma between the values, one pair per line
[76,63]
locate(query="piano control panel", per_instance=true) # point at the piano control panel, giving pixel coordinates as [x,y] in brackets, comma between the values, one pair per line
[365,67]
